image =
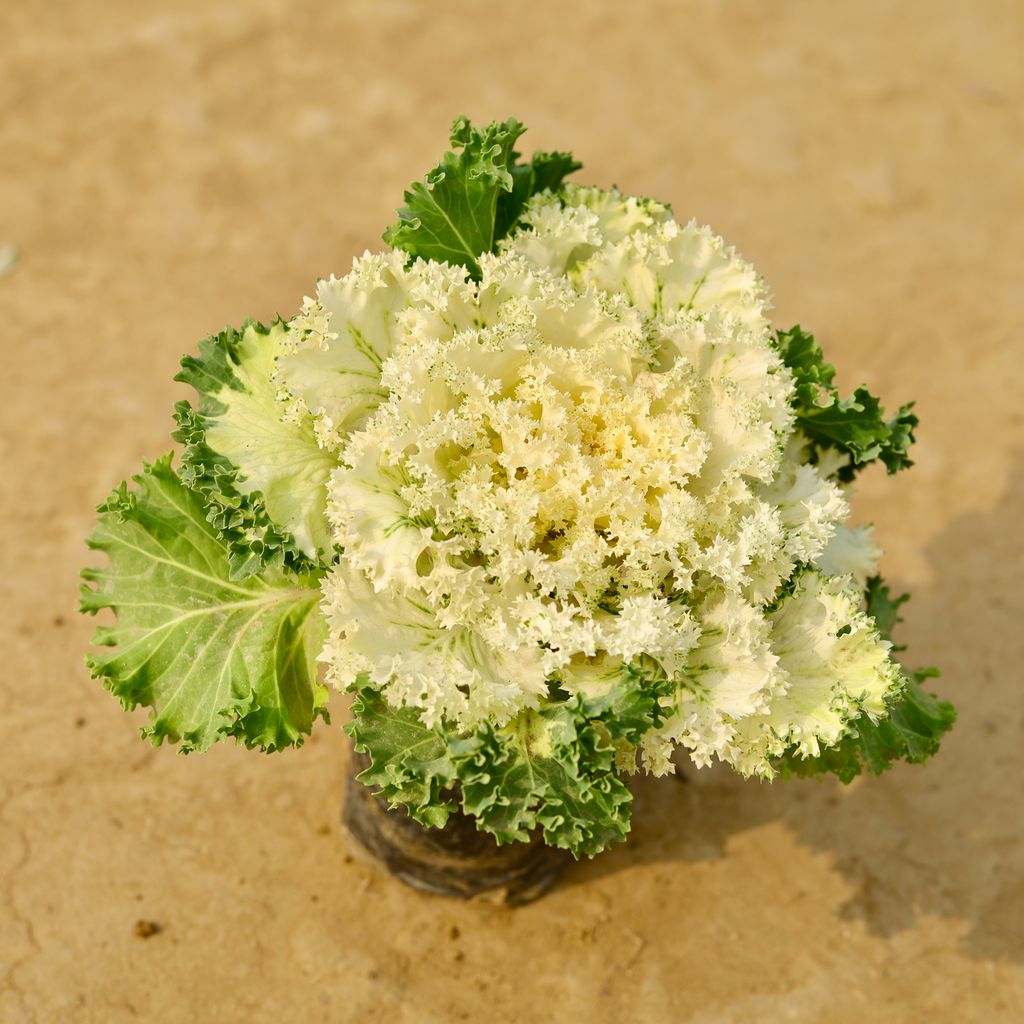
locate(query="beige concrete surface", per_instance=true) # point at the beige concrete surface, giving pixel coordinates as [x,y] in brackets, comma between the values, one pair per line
[166,169]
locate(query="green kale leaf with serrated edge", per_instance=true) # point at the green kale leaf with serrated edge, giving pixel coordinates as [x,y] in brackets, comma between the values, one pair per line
[856,425]
[553,769]
[213,657]
[475,196]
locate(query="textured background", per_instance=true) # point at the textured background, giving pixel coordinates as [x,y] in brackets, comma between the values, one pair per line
[166,171]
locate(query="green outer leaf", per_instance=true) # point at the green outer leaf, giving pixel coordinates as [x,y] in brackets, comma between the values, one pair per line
[912,731]
[855,425]
[473,198]
[212,657]
[812,375]
[550,169]
[552,769]
[236,396]
[883,607]
[449,215]
[409,762]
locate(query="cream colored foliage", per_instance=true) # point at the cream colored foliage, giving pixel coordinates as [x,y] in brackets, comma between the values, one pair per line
[579,462]
[851,552]
[277,456]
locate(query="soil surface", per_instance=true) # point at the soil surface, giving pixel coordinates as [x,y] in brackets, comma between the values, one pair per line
[167,169]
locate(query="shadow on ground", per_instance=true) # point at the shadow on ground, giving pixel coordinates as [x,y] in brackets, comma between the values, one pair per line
[944,839]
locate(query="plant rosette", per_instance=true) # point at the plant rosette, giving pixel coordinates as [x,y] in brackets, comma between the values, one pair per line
[543,489]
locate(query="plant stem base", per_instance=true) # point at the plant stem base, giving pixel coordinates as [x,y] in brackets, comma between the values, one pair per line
[457,860]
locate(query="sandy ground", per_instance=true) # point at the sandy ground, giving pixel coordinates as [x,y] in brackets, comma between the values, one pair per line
[166,170]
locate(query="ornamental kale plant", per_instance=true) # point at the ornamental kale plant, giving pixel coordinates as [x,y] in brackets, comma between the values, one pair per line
[543,489]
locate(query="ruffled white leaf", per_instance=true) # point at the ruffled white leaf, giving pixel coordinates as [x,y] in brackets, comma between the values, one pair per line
[397,643]
[851,552]
[836,665]
[277,455]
